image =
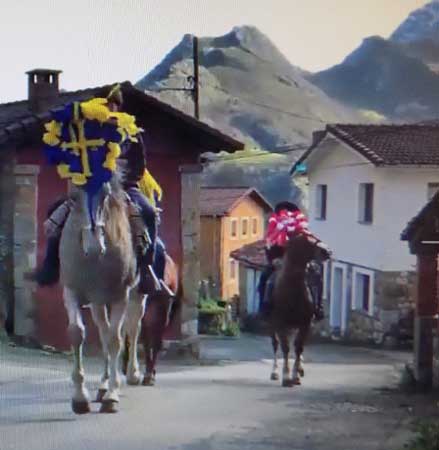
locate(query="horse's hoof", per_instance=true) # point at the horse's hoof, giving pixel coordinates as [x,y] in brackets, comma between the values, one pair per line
[274,376]
[80,406]
[286,382]
[109,407]
[148,380]
[133,380]
[296,381]
[301,372]
[100,395]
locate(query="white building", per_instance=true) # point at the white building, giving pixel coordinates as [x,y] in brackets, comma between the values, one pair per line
[365,183]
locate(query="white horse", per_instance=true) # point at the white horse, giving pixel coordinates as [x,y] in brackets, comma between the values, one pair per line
[98,267]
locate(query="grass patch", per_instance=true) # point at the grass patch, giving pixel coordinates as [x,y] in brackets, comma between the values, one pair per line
[426,437]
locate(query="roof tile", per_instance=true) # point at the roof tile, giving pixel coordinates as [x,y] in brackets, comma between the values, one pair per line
[407,145]
[218,201]
[252,255]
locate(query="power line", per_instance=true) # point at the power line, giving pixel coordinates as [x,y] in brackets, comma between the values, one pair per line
[338,166]
[193,79]
[272,108]
[259,155]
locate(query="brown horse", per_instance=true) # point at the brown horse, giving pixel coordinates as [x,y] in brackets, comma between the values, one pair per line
[292,306]
[159,314]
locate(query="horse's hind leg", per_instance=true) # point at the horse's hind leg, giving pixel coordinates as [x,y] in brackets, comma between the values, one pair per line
[76,331]
[155,321]
[114,344]
[275,343]
[133,321]
[299,344]
[285,346]
[100,318]
[148,377]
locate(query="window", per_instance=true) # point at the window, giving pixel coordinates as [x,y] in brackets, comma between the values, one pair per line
[365,213]
[233,228]
[244,227]
[232,269]
[254,226]
[362,299]
[432,188]
[321,201]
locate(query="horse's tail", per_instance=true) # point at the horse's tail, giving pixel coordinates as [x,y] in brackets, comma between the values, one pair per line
[174,281]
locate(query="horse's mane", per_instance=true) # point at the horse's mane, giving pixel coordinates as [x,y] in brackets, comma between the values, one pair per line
[115,215]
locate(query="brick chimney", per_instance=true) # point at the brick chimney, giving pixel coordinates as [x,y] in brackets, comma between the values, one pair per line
[43,88]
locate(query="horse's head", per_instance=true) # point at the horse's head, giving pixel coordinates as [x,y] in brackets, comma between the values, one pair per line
[303,248]
[93,211]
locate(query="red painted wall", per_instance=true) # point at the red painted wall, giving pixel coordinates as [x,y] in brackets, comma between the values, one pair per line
[51,317]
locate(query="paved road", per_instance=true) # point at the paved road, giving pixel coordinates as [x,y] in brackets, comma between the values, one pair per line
[226,403]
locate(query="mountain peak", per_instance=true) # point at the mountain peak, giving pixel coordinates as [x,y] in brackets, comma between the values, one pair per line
[421,25]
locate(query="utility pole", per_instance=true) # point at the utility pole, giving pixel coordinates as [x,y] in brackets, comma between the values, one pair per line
[193,79]
[196,87]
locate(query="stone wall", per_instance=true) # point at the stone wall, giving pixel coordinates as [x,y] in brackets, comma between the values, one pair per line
[25,242]
[190,192]
[364,328]
[394,298]
[7,206]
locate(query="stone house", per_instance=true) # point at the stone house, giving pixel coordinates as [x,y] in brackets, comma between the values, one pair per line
[230,218]
[364,182]
[28,186]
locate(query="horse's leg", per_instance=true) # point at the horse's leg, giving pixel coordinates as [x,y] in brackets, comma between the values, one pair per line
[284,338]
[114,343]
[125,352]
[133,321]
[275,344]
[159,330]
[76,331]
[299,344]
[155,323]
[100,318]
[148,377]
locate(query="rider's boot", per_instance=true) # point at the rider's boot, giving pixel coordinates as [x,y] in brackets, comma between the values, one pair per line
[48,273]
[149,283]
[268,303]
[319,313]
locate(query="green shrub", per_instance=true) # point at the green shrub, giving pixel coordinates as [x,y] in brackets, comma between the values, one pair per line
[232,329]
[427,437]
[210,306]
[211,317]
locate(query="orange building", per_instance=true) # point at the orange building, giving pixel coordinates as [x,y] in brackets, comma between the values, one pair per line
[230,218]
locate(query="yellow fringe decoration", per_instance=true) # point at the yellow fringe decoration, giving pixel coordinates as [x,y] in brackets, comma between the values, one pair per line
[112,155]
[127,123]
[96,109]
[53,133]
[149,186]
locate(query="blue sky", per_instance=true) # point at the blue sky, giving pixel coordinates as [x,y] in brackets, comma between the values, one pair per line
[96,42]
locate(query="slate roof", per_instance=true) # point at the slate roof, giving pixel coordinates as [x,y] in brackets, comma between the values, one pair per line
[219,201]
[17,121]
[387,145]
[251,255]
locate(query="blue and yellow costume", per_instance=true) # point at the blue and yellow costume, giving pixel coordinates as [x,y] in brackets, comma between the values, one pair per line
[88,142]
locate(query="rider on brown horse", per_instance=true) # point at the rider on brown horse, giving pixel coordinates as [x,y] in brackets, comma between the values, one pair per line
[133,164]
[287,219]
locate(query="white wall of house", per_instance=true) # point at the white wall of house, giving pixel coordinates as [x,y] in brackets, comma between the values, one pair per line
[399,194]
